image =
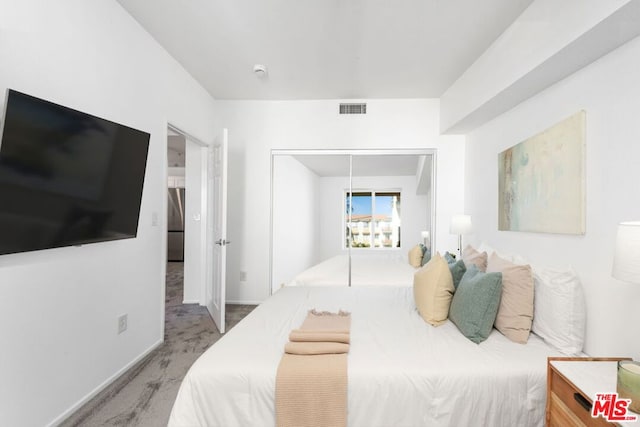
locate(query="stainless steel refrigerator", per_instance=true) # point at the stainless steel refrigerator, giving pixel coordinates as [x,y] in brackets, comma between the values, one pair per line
[175,225]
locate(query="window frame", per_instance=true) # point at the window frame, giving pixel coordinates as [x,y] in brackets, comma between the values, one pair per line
[346,217]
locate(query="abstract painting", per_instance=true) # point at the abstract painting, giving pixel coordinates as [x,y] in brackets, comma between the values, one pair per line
[541,181]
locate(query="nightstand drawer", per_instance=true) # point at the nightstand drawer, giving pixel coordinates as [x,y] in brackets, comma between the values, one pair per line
[569,406]
[560,415]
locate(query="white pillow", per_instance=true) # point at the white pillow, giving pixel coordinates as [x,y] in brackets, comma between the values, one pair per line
[486,248]
[515,259]
[559,309]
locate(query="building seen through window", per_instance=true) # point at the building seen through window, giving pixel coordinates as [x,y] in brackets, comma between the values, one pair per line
[372,219]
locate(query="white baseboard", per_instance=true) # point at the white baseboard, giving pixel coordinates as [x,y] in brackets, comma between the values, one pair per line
[195,301]
[244,302]
[66,414]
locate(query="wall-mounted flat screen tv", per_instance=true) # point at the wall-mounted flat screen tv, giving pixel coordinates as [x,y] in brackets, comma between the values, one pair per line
[66,177]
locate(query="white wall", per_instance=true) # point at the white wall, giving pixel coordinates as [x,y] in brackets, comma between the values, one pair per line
[59,308]
[296,213]
[608,90]
[256,127]
[331,225]
[546,42]
[415,211]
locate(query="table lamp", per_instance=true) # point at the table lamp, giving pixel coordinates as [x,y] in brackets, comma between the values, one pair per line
[460,225]
[425,238]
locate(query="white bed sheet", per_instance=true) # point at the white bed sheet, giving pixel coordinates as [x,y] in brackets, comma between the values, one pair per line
[366,270]
[401,372]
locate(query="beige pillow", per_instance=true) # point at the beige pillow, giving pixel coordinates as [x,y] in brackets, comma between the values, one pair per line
[515,313]
[415,256]
[433,290]
[472,256]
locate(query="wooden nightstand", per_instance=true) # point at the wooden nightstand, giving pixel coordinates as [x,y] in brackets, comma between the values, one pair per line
[572,383]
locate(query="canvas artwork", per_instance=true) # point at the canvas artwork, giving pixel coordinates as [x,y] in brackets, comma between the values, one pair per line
[541,181]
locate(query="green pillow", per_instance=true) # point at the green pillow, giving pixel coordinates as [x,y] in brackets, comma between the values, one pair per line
[426,257]
[449,257]
[457,271]
[475,304]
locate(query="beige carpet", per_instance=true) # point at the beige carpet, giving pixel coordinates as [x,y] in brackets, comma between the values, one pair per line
[144,395]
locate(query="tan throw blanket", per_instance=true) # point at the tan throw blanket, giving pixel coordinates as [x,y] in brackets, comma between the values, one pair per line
[311,348]
[311,382]
[318,335]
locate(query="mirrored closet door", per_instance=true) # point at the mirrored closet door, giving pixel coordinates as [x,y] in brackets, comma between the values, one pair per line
[343,218]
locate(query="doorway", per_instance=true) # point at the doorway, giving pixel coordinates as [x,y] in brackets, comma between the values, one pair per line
[176,147]
[205,240]
[186,213]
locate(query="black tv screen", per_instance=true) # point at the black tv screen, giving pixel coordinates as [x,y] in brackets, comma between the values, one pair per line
[66,177]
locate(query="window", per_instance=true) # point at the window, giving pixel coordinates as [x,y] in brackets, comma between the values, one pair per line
[372,219]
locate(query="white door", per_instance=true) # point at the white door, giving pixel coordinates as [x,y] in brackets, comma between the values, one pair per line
[217,231]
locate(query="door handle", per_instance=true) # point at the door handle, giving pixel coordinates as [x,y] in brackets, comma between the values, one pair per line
[222,242]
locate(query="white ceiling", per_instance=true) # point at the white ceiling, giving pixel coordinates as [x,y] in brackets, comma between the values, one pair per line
[336,165]
[363,165]
[325,49]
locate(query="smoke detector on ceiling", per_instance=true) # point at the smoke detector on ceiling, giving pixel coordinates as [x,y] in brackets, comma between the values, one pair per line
[260,70]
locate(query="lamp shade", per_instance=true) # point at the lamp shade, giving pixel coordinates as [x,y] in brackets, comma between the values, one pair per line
[460,224]
[626,258]
[424,234]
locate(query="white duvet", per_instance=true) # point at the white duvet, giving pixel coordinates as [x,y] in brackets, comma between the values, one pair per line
[366,270]
[402,371]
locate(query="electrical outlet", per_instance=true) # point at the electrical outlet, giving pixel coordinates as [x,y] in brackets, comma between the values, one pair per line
[122,323]
[243,276]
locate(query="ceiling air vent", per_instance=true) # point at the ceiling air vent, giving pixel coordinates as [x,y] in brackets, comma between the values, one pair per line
[353,108]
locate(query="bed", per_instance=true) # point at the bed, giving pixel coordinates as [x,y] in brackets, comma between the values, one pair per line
[401,370]
[366,270]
